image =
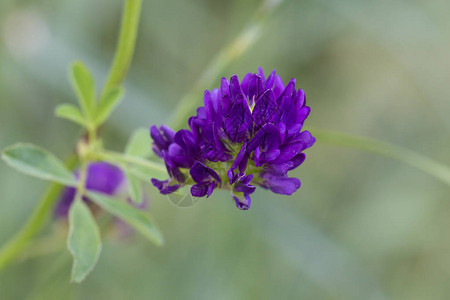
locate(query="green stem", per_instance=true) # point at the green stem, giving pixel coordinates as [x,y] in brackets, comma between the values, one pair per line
[35,223]
[418,161]
[124,158]
[126,44]
[230,53]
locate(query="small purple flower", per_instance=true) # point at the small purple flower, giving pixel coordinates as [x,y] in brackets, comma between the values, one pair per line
[247,133]
[101,177]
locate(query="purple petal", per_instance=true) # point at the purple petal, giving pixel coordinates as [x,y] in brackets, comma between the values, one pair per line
[264,110]
[199,190]
[202,174]
[303,114]
[226,96]
[261,73]
[278,86]
[164,186]
[243,204]
[187,141]
[280,169]
[245,82]
[270,80]
[244,186]
[64,203]
[235,87]
[287,93]
[179,156]
[241,161]
[162,138]
[172,168]
[267,138]
[104,178]
[281,185]
[239,123]
[256,88]
[300,99]
[297,160]
[305,137]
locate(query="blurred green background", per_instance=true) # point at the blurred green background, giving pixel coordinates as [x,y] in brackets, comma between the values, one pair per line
[361,226]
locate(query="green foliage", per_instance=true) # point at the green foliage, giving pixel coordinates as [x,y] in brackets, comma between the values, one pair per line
[71,113]
[107,104]
[134,187]
[139,143]
[84,240]
[133,216]
[35,161]
[84,86]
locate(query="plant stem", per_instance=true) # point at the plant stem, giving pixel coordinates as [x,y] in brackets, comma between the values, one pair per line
[125,45]
[124,158]
[35,223]
[437,170]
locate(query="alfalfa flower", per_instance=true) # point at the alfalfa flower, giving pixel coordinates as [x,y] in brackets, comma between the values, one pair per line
[247,134]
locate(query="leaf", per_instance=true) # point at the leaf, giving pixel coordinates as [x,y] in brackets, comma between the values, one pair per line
[139,143]
[134,187]
[133,216]
[145,174]
[84,240]
[84,86]
[107,104]
[70,112]
[35,161]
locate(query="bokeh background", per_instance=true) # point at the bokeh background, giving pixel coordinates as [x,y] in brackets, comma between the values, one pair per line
[361,226]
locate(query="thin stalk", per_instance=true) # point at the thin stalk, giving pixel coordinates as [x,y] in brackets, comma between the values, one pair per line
[434,168]
[138,161]
[126,44]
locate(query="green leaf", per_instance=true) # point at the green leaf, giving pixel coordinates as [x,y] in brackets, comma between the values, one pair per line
[145,174]
[139,143]
[134,187]
[84,86]
[107,104]
[84,240]
[35,161]
[133,216]
[70,112]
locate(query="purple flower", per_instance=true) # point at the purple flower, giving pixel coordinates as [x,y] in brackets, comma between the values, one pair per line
[247,133]
[101,177]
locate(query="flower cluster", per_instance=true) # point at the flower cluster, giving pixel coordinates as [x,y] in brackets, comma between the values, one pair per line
[247,133]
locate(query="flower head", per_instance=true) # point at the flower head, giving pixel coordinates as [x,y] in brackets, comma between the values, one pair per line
[101,177]
[247,133]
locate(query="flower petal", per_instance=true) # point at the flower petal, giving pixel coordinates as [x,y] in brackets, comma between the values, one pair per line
[281,185]
[164,187]
[243,204]
[239,123]
[202,174]
[265,108]
[267,138]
